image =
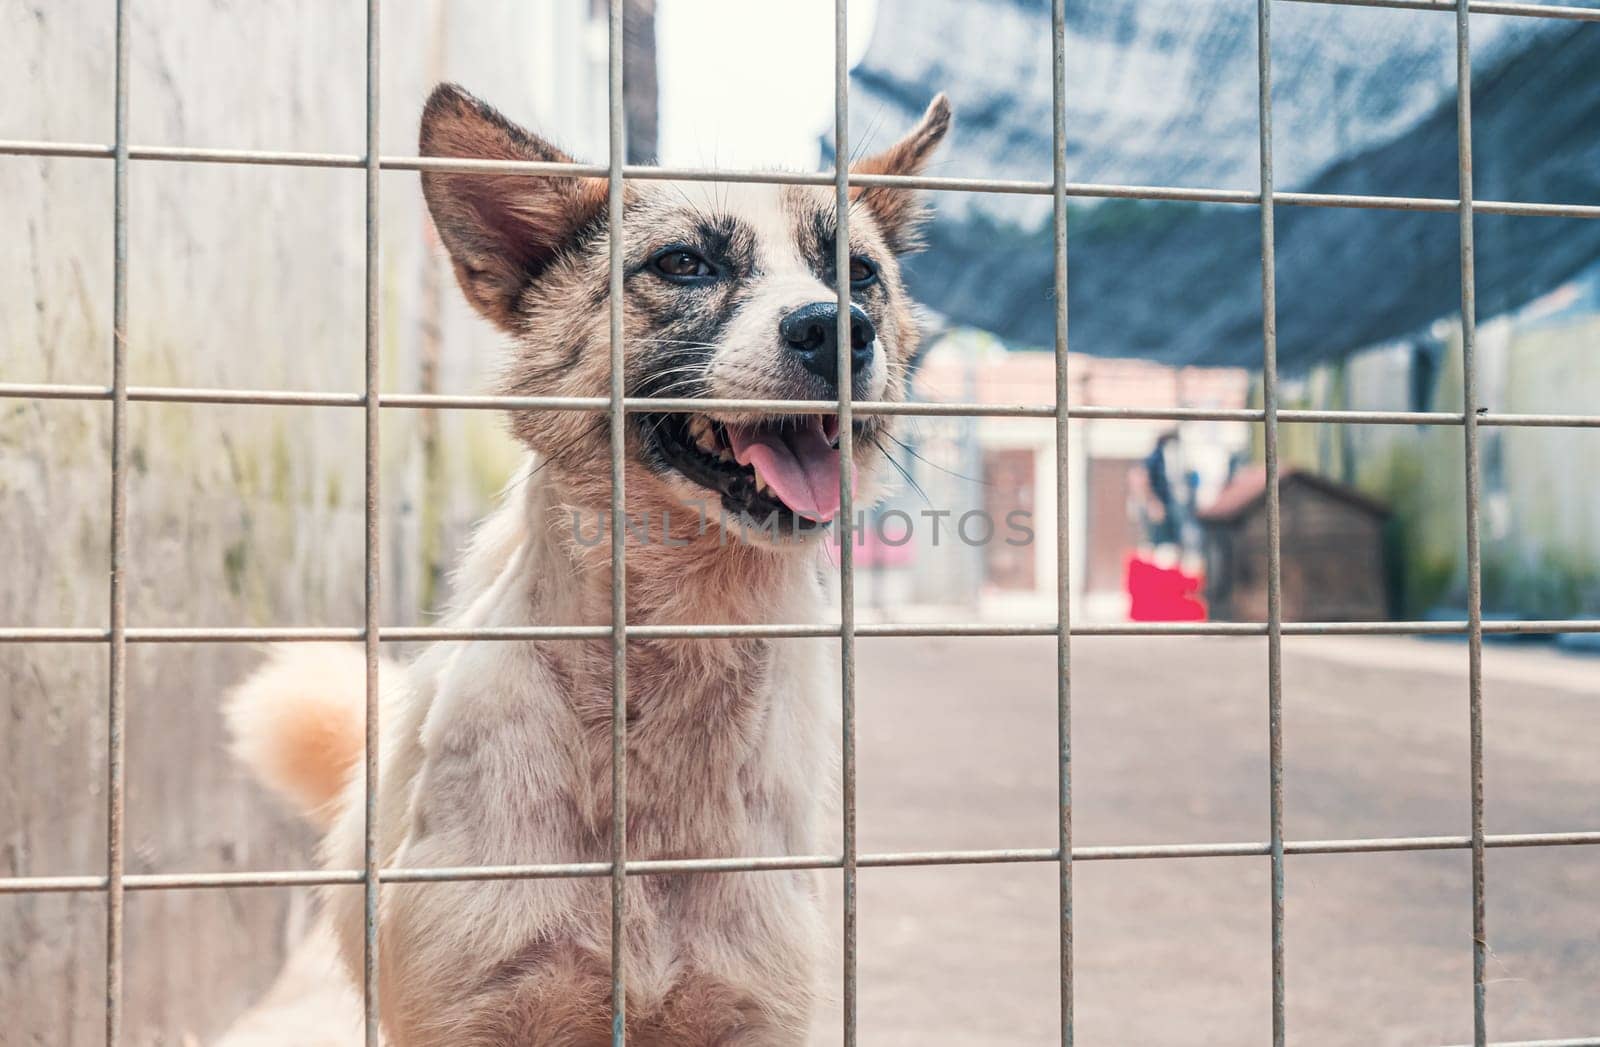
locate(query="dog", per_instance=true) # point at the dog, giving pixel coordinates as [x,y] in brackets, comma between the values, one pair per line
[499,752]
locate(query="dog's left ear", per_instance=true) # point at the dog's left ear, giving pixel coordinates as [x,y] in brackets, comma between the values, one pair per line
[901,212]
[502,230]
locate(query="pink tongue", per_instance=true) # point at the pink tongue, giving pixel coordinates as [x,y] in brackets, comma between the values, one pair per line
[798,462]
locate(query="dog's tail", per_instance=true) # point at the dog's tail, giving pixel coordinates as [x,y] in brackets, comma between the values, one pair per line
[299,724]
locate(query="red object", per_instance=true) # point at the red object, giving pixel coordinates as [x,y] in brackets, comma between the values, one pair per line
[1163,594]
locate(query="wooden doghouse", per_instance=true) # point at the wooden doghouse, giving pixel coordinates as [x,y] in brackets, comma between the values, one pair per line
[1332,548]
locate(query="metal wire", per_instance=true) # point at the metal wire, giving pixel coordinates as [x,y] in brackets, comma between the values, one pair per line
[116,714]
[1269,399]
[1076,190]
[847,566]
[371,511]
[428,401]
[444,634]
[1469,409]
[1058,150]
[684,866]
[1581,14]
[619,546]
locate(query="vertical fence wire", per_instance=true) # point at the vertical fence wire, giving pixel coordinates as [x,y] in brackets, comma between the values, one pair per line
[619,586]
[1058,104]
[847,574]
[1269,399]
[116,711]
[1469,407]
[371,1019]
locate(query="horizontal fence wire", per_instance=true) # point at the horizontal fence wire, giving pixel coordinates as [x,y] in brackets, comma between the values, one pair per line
[1024,187]
[684,866]
[1477,7]
[681,405]
[776,631]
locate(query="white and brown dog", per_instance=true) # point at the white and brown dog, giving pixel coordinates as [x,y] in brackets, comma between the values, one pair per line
[498,753]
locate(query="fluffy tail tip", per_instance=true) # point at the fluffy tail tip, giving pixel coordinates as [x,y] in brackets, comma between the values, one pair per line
[299,724]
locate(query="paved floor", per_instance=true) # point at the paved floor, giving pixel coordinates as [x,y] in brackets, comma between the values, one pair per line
[956,750]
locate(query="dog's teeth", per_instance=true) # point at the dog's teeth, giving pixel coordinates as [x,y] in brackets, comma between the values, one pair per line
[761,485]
[726,454]
[700,431]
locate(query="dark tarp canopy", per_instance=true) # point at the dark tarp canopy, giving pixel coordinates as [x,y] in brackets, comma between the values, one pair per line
[1180,282]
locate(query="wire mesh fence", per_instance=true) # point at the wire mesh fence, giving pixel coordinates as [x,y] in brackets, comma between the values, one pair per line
[119,633]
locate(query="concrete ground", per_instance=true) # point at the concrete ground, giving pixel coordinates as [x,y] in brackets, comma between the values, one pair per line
[957,750]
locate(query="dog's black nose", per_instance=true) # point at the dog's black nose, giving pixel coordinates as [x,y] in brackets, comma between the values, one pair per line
[812,332]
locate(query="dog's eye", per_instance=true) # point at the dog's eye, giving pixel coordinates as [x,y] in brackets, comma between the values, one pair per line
[682,264]
[862,272]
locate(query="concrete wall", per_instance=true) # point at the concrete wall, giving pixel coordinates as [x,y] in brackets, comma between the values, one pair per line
[1540,500]
[239,276]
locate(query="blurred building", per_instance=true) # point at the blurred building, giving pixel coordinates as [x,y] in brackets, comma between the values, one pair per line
[1000,466]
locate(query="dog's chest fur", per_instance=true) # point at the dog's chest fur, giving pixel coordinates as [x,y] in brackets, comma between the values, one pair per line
[500,754]
[696,714]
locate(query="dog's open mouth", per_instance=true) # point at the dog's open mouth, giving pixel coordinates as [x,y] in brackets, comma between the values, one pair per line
[786,466]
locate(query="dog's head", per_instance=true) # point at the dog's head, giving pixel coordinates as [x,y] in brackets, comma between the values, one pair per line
[729,293]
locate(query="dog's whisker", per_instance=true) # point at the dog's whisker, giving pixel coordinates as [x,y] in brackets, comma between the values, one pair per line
[675,343]
[694,368]
[901,469]
[908,449]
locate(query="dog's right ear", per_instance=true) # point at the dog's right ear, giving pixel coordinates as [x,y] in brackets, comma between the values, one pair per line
[502,230]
